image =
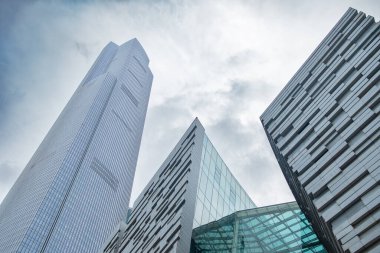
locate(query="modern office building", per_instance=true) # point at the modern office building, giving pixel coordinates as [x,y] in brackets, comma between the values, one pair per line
[277,228]
[191,188]
[324,128]
[77,185]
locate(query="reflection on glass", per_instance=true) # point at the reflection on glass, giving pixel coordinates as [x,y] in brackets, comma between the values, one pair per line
[219,193]
[278,228]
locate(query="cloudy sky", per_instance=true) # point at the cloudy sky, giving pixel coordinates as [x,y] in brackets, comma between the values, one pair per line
[223,61]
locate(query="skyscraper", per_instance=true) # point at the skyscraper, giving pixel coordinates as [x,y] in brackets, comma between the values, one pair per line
[276,228]
[324,128]
[77,185]
[192,187]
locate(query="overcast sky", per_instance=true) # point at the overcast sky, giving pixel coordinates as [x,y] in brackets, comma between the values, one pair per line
[221,61]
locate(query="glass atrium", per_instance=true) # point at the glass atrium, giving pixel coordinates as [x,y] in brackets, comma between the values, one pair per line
[277,228]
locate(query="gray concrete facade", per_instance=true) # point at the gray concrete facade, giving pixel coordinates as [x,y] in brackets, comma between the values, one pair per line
[162,216]
[324,128]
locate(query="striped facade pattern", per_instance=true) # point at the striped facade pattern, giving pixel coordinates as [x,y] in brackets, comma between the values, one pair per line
[77,185]
[324,128]
[162,218]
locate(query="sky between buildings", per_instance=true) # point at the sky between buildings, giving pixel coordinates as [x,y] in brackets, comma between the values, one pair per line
[223,61]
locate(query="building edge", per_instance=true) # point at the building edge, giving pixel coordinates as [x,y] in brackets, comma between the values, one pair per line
[323,231]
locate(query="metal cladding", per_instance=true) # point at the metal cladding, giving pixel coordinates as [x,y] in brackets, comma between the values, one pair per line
[162,217]
[276,228]
[77,185]
[324,130]
[191,187]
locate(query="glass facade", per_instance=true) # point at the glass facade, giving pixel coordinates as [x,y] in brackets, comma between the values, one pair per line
[191,188]
[218,193]
[278,228]
[77,185]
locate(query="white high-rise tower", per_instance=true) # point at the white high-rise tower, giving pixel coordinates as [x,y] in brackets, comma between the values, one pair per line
[77,185]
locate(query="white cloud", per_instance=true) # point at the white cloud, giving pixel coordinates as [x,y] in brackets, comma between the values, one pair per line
[223,61]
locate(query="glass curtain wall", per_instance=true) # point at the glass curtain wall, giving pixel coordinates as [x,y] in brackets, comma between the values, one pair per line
[219,193]
[278,228]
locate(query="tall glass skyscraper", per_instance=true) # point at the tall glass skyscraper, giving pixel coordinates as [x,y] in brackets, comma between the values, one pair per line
[192,187]
[324,128]
[76,187]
